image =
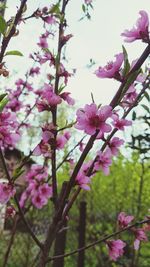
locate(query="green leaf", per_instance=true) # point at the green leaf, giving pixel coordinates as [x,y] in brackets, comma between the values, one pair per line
[2,6]
[14,53]
[134,116]
[61,88]
[126,62]
[130,80]
[83,8]
[3,25]
[55,9]
[146,108]
[18,172]
[3,103]
[10,26]
[2,96]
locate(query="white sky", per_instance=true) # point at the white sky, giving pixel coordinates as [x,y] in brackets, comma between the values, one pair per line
[98,39]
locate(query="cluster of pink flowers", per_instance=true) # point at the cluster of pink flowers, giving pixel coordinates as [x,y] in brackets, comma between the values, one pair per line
[92,119]
[82,179]
[6,192]
[38,191]
[48,99]
[9,134]
[44,15]
[45,146]
[116,247]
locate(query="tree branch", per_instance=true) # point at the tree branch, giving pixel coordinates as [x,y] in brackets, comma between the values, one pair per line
[6,40]
[98,241]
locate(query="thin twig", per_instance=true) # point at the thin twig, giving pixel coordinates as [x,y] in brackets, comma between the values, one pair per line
[6,40]
[98,241]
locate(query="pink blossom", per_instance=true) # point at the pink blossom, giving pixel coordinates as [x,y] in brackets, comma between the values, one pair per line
[81,146]
[43,43]
[49,19]
[45,190]
[112,69]
[21,83]
[141,77]
[9,134]
[124,220]
[14,104]
[48,56]
[66,97]
[39,201]
[120,123]
[36,172]
[130,96]
[88,1]
[34,71]
[23,199]
[37,191]
[43,148]
[64,73]
[114,145]
[10,211]
[6,192]
[83,181]
[62,140]
[140,236]
[91,119]
[104,161]
[48,98]
[48,132]
[140,30]
[115,248]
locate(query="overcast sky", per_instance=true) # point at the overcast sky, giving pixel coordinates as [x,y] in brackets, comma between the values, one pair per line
[98,39]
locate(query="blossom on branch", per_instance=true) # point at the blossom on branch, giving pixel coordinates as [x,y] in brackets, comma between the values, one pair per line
[139,236]
[103,162]
[91,118]
[112,69]
[114,145]
[124,220]
[140,30]
[6,192]
[120,123]
[115,248]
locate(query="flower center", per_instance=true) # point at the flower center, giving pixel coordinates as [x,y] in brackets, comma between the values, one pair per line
[94,121]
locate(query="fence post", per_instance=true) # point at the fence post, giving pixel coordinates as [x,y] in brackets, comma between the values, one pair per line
[82,229]
[59,247]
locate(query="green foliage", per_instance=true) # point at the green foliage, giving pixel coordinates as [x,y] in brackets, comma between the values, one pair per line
[3,25]
[14,53]
[3,102]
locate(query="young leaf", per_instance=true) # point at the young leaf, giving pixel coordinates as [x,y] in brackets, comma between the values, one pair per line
[126,62]
[2,96]
[146,108]
[3,25]
[3,103]
[14,53]
[133,115]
